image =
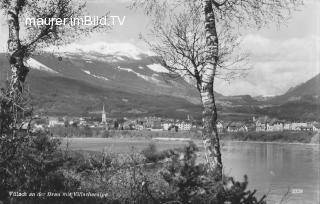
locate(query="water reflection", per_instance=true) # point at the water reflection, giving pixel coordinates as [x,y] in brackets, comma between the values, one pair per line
[276,169]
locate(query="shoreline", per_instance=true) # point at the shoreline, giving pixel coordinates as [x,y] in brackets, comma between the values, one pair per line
[188,139]
[271,142]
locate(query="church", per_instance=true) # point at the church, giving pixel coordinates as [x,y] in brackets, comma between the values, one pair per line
[103,116]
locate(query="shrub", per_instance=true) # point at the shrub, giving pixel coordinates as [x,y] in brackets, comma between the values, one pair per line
[32,164]
[150,152]
[38,165]
[195,183]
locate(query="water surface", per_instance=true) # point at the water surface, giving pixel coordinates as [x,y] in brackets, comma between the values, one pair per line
[273,169]
[276,169]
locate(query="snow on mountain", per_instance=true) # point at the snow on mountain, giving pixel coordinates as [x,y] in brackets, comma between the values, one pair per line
[117,50]
[147,78]
[157,68]
[94,75]
[34,64]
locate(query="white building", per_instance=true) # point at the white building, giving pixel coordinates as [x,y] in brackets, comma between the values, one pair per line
[287,126]
[219,126]
[297,126]
[166,126]
[275,127]
[184,126]
[54,121]
[104,116]
[316,128]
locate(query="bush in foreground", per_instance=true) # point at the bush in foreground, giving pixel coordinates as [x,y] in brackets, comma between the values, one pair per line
[172,177]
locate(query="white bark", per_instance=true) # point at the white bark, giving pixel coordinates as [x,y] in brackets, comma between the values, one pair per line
[209,115]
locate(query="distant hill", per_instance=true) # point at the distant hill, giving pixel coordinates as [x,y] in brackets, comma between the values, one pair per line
[132,83]
[80,84]
[129,82]
[56,95]
[308,91]
[293,111]
[298,103]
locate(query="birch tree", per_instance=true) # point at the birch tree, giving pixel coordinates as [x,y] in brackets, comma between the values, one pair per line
[200,59]
[19,165]
[24,39]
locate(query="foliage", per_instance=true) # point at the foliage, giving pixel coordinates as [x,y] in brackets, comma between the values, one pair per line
[32,164]
[152,154]
[37,37]
[284,136]
[60,131]
[128,179]
[195,183]
[40,166]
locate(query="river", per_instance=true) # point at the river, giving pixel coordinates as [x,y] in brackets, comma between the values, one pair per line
[276,169]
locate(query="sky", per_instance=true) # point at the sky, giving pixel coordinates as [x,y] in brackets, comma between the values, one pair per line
[280,57]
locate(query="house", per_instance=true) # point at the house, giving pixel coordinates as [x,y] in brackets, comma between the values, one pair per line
[184,126]
[55,121]
[261,124]
[156,125]
[275,126]
[220,126]
[316,127]
[298,126]
[287,126]
[139,127]
[250,125]
[166,125]
[306,128]
[237,127]
[173,128]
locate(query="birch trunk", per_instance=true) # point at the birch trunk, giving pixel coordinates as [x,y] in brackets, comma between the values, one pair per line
[16,56]
[16,53]
[209,114]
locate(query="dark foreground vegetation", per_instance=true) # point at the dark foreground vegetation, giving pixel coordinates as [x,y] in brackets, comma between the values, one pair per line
[284,136]
[37,164]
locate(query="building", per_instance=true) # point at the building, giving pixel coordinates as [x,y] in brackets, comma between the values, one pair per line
[275,126]
[184,126]
[55,121]
[139,127]
[306,128]
[261,124]
[220,126]
[103,116]
[237,127]
[316,127]
[166,126]
[261,127]
[298,126]
[287,126]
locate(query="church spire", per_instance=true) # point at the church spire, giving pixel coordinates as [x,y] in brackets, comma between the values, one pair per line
[103,117]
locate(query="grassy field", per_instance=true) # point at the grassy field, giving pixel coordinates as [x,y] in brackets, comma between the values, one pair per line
[118,145]
[127,144]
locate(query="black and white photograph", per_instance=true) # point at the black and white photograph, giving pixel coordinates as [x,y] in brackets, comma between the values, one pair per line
[159,101]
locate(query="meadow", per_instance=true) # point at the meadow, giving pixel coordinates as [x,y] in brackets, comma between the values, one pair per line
[118,145]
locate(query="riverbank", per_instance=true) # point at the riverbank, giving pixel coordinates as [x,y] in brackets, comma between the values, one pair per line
[278,137]
[292,137]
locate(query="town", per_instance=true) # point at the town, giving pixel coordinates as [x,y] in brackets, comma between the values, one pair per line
[256,124]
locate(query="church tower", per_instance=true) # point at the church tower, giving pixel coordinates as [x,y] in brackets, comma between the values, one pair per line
[104,117]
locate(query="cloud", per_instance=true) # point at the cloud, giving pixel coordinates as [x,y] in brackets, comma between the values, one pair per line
[277,65]
[105,48]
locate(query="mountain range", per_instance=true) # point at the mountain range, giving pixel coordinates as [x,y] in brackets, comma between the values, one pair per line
[131,82]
